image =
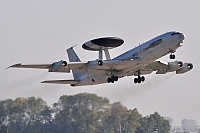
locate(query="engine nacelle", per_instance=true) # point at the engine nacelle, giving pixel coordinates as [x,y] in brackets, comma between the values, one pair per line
[186,67]
[92,64]
[64,64]
[173,66]
[56,66]
[98,63]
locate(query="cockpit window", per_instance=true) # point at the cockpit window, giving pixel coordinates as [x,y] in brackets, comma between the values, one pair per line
[174,33]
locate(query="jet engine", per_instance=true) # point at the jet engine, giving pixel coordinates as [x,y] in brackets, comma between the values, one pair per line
[93,64]
[56,66]
[186,67]
[173,66]
[64,63]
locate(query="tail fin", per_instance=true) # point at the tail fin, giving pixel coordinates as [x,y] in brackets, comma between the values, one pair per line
[73,57]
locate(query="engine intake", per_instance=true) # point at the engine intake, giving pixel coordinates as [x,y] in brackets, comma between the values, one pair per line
[173,66]
[186,67]
[190,66]
[64,63]
[56,66]
[100,62]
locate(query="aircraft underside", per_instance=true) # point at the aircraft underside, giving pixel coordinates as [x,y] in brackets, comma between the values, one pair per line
[137,62]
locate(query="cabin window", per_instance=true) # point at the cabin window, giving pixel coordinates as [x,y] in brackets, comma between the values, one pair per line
[135,54]
[156,43]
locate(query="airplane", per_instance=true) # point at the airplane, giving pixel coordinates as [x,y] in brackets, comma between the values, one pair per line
[138,61]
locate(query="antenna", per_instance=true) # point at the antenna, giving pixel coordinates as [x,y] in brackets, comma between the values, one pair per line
[74,45]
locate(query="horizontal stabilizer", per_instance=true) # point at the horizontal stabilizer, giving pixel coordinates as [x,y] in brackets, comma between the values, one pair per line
[61,81]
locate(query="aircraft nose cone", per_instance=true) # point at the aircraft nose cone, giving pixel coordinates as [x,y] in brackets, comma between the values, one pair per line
[182,36]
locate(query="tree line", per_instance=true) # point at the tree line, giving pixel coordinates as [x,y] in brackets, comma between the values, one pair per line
[80,113]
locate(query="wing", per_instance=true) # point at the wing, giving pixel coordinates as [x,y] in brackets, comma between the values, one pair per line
[119,64]
[107,65]
[89,67]
[51,67]
[54,67]
[158,66]
[162,68]
[61,81]
[38,66]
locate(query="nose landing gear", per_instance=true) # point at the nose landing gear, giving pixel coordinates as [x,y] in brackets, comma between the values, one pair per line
[172,56]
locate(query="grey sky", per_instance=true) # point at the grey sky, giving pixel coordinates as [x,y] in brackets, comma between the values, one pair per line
[40,32]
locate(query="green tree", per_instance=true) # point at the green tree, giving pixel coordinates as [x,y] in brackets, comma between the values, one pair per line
[154,123]
[122,120]
[80,113]
[22,114]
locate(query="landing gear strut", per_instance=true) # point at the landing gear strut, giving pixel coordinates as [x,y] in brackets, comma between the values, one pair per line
[172,56]
[139,79]
[112,79]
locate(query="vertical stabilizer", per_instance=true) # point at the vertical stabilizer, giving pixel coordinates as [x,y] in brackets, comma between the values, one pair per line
[73,57]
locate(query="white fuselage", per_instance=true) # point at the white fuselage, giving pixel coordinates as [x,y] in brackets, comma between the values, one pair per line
[146,52]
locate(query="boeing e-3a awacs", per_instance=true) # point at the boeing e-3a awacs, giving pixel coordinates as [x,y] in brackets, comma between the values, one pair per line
[138,61]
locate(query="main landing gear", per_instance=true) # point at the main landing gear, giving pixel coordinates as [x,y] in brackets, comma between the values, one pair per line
[112,79]
[139,79]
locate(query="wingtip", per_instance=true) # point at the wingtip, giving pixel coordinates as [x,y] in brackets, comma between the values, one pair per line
[42,82]
[15,65]
[6,68]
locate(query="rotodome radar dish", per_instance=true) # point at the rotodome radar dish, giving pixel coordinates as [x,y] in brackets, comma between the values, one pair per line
[101,43]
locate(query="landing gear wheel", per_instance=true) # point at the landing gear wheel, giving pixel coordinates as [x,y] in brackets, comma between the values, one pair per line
[142,78]
[109,80]
[172,56]
[135,80]
[116,78]
[112,79]
[100,62]
[139,80]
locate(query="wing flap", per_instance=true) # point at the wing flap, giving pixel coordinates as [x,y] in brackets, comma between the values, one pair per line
[61,81]
[156,65]
[161,72]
